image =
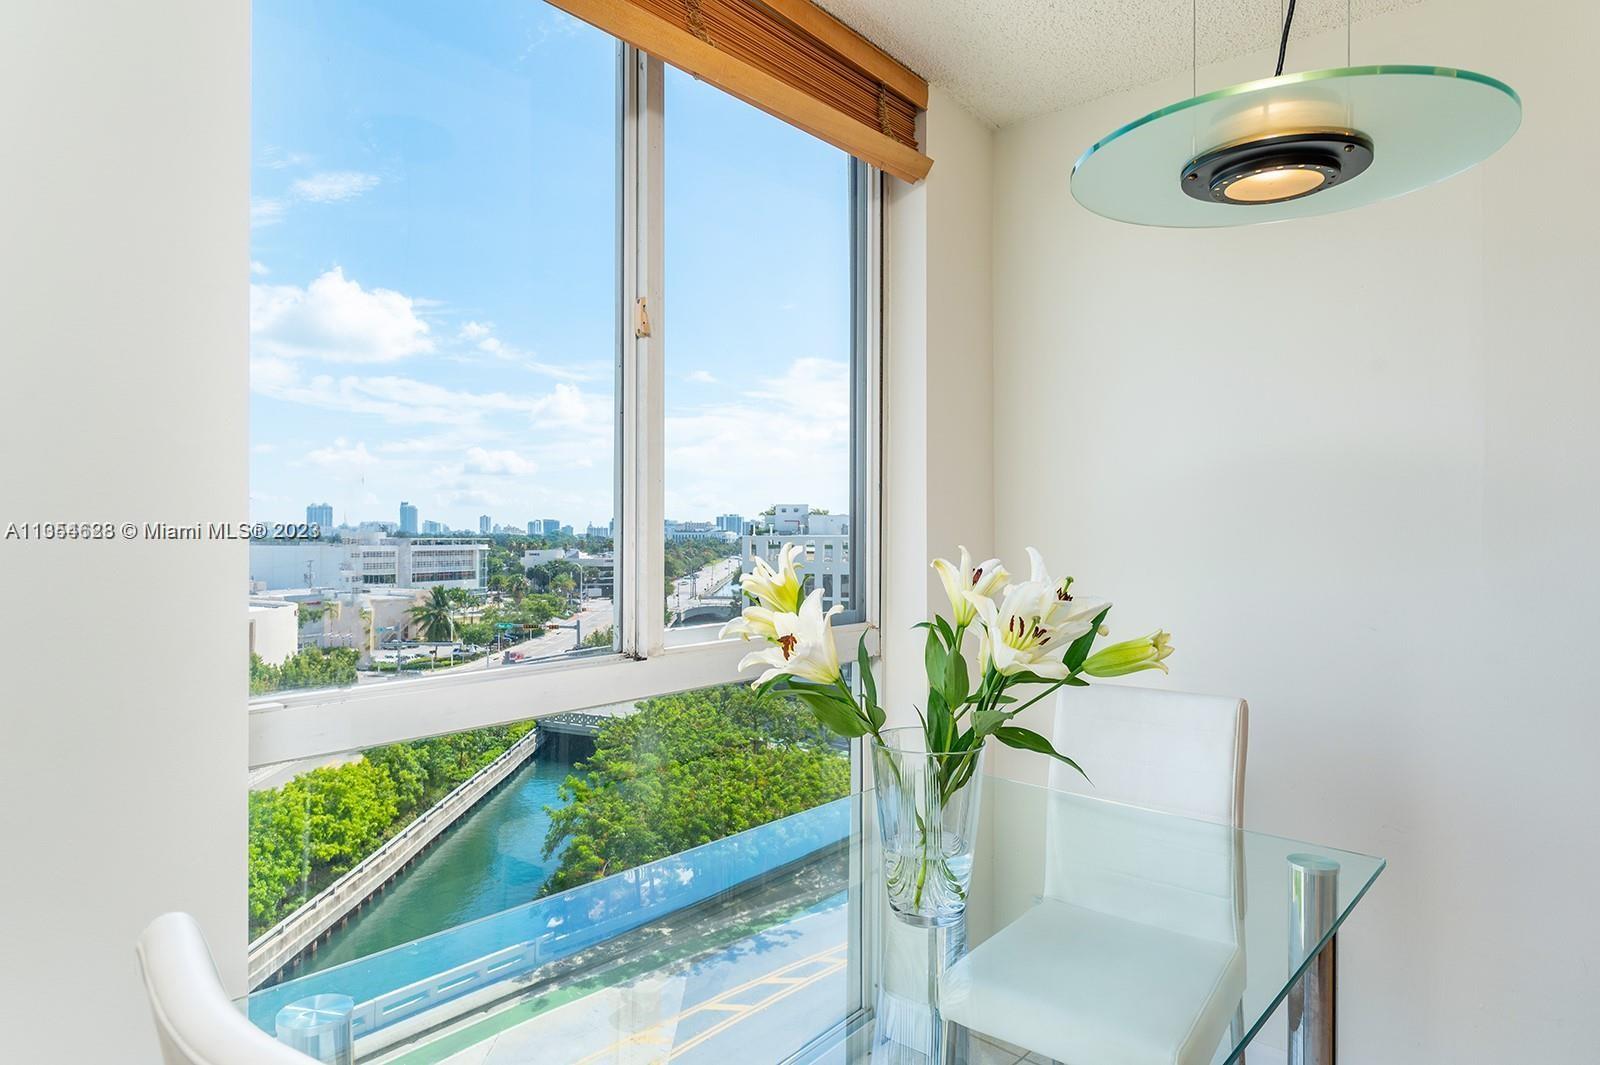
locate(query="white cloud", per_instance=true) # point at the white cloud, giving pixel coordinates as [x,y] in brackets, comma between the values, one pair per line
[275,158]
[334,318]
[265,211]
[259,268]
[701,377]
[789,440]
[499,463]
[342,456]
[481,335]
[333,186]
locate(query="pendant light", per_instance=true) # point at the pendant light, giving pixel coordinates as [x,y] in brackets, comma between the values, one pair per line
[1295,145]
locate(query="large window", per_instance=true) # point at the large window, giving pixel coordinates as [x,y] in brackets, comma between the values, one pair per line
[550,345]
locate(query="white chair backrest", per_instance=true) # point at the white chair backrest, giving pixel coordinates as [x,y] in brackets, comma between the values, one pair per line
[1167,752]
[195,1021]
[1175,752]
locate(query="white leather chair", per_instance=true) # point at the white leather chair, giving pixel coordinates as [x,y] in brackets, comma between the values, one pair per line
[195,1021]
[1134,955]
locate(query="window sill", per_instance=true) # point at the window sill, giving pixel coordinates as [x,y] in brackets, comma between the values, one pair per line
[285,727]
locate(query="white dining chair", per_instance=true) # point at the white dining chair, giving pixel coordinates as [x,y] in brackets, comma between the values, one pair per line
[1134,953]
[195,1021]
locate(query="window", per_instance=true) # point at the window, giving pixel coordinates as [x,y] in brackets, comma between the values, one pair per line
[761,305]
[434,278]
[543,359]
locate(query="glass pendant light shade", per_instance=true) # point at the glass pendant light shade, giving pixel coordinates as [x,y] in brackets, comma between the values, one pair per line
[1300,144]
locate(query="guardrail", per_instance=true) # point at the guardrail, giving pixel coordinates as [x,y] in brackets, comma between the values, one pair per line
[287,939]
[404,981]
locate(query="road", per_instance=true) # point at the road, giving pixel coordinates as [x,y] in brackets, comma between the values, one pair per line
[701,583]
[595,615]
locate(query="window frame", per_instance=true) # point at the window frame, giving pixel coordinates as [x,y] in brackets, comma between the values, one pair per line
[287,726]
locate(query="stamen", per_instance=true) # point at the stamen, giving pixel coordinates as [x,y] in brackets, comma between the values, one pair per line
[787,643]
[975,575]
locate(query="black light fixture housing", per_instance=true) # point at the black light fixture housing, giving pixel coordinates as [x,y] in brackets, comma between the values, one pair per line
[1277,168]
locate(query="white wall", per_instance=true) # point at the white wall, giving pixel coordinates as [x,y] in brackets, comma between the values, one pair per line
[1351,463]
[123,249]
[938,378]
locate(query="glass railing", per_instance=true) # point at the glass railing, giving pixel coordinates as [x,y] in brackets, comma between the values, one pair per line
[567,933]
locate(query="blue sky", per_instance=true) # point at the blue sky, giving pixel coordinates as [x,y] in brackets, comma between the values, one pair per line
[433,275]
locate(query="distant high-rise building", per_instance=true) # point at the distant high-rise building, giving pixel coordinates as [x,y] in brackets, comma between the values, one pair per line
[408,518]
[433,528]
[566,530]
[550,526]
[483,523]
[733,523]
[320,514]
[533,528]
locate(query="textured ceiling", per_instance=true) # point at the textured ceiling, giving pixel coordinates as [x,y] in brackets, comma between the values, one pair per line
[1007,60]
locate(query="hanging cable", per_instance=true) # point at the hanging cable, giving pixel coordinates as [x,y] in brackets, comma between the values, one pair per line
[1283,45]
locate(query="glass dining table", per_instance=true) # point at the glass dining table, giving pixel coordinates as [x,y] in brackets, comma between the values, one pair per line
[1095,934]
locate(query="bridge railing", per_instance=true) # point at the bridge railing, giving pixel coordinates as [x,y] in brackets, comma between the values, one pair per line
[404,981]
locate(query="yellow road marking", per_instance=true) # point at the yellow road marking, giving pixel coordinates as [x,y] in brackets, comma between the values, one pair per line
[660,1032]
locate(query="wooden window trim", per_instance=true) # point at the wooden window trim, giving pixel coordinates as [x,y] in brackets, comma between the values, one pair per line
[817,97]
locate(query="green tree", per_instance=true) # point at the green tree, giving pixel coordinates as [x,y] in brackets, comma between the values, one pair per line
[435,617]
[685,770]
[314,829]
[310,668]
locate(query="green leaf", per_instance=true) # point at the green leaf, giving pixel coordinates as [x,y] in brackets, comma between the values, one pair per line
[985,722]
[1029,678]
[940,723]
[1076,682]
[1024,739]
[834,714]
[933,657]
[955,678]
[1079,651]
[946,631]
[869,684]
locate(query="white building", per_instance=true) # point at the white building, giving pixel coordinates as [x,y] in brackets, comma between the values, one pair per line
[697,530]
[599,571]
[825,562]
[353,565]
[274,629]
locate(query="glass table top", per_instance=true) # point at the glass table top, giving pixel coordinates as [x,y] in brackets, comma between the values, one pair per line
[1094,933]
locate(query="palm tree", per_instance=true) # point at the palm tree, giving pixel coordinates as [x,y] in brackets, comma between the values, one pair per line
[433,616]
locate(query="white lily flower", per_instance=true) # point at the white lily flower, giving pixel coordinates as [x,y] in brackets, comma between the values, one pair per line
[1066,607]
[755,621]
[802,647]
[776,589]
[1035,622]
[984,579]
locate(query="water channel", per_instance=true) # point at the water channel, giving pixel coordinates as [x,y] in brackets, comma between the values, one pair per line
[491,860]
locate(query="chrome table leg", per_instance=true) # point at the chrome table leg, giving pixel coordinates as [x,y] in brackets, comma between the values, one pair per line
[1314,906]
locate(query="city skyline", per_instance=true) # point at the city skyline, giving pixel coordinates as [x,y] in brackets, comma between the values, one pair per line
[411,522]
[433,301]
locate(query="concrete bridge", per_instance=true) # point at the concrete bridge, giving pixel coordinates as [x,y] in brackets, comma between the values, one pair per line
[574,724]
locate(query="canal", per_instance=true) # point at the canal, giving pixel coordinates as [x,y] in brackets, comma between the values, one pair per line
[490,861]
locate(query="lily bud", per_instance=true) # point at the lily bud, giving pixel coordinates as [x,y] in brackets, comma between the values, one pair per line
[1131,656]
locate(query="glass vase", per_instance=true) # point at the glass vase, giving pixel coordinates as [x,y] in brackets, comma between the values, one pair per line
[928,822]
